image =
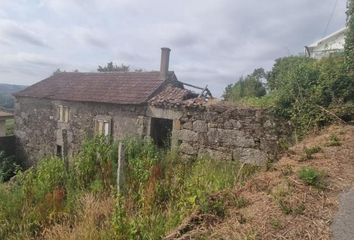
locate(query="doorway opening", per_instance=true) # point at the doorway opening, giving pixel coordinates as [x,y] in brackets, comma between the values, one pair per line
[59,151]
[161,131]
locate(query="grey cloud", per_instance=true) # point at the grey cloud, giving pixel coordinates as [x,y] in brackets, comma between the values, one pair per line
[4,42]
[185,40]
[25,36]
[213,42]
[130,57]
[94,41]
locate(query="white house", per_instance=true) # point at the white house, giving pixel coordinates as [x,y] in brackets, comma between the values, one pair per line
[330,44]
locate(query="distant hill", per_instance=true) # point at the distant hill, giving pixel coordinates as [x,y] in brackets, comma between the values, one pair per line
[7,101]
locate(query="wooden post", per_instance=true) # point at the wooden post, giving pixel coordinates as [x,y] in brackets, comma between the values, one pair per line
[120,168]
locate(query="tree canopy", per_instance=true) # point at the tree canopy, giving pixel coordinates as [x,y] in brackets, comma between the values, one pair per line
[349,40]
[307,91]
[250,86]
[111,67]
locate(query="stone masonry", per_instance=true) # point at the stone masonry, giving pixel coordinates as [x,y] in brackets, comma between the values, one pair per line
[229,133]
[38,130]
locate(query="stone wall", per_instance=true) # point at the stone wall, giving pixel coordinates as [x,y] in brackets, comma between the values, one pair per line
[219,131]
[38,130]
[230,133]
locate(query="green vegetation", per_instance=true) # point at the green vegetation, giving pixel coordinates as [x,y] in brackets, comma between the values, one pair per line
[312,177]
[168,190]
[111,67]
[349,40]
[54,201]
[288,207]
[8,166]
[310,93]
[248,87]
[310,151]
[333,141]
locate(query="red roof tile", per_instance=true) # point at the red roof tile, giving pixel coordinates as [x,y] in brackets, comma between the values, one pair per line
[175,97]
[114,87]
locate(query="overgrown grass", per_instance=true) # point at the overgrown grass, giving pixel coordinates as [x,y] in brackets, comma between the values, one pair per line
[8,166]
[313,177]
[169,190]
[51,201]
[308,152]
[333,141]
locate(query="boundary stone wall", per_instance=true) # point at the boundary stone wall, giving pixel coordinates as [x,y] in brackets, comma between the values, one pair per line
[230,133]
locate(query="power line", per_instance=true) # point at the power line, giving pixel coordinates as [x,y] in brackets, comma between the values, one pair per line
[330,18]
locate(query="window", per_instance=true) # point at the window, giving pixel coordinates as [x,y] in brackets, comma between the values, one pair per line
[103,125]
[106,128]
[63,113]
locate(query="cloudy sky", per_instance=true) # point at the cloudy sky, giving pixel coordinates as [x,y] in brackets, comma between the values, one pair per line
[213,42]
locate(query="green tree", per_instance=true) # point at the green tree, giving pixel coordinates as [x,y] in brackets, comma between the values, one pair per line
[111,67]
[306,90]
[349,39]
[250,86]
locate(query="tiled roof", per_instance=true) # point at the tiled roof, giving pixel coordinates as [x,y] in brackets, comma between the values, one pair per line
[174,97]
[113,87]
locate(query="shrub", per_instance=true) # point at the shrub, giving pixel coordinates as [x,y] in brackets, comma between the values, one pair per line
[8,166]
[38,194]
[158,193]
[333,141]
[312,177]
[308,92]
[249,87]
[160,190]
[96,163]
[310,151]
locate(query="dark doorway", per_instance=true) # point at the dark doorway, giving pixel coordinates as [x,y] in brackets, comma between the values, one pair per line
[160,132]
[59,151]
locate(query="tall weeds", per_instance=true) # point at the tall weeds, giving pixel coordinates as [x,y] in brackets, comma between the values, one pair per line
[50,201]
[161,190]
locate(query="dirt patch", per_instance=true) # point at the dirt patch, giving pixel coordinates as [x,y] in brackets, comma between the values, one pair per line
[286,204]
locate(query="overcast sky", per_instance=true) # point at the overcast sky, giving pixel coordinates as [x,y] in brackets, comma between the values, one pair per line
[213,42]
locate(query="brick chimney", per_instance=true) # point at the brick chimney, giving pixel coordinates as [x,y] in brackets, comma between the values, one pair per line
[165,59]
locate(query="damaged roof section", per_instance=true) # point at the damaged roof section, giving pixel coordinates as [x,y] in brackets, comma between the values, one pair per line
[175,97]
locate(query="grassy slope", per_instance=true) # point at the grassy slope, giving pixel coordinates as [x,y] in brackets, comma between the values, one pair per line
[280,204]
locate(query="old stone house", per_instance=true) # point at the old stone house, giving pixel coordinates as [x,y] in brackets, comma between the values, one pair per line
[55,115]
